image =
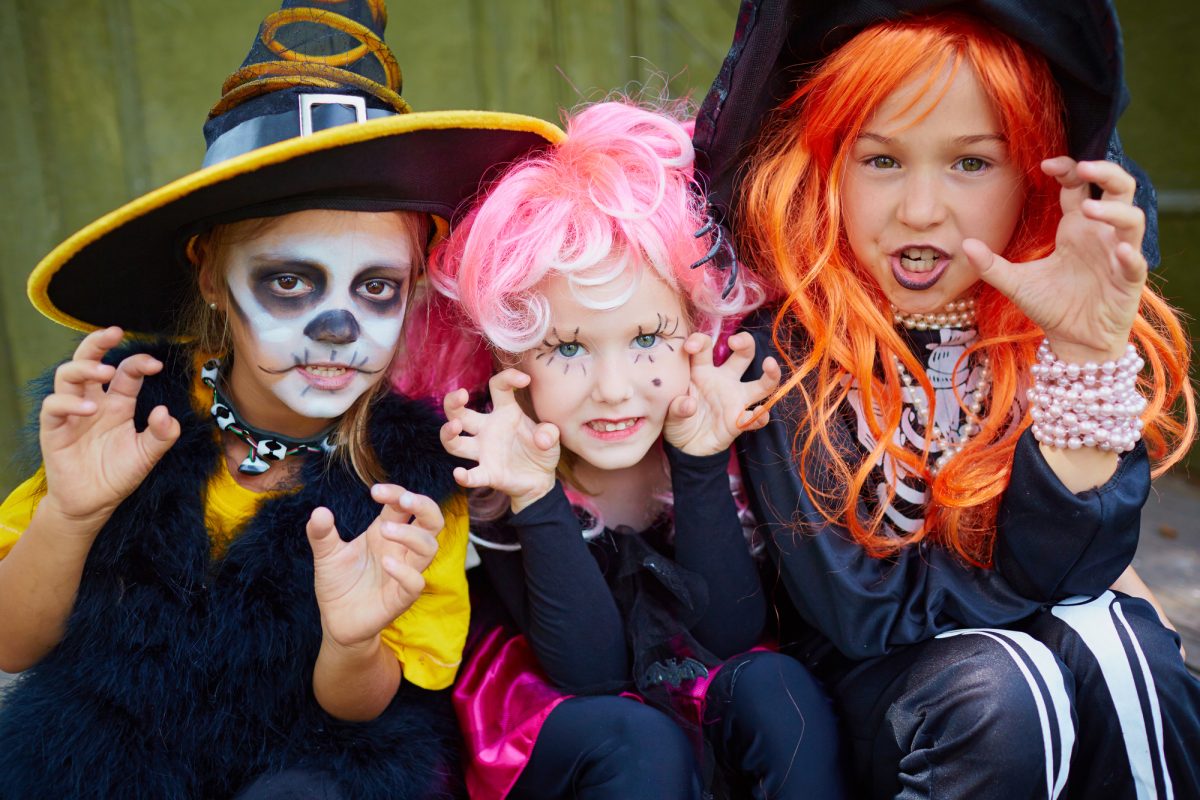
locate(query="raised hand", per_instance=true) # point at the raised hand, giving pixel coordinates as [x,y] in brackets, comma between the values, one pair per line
[710,416]
[1085,294]
[364,584]
[515,455]
[93,455]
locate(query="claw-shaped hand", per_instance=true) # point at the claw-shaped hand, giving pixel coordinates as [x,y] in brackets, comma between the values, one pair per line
[515,455]
[710,416]
[1085,294]
[364,584]
[93,455]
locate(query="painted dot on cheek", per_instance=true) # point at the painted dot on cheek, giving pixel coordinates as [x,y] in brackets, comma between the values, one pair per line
[657,381]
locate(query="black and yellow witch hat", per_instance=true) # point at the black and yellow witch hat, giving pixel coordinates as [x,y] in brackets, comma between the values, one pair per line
[312,119]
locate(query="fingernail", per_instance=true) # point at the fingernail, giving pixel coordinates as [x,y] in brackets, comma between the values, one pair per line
[406,499]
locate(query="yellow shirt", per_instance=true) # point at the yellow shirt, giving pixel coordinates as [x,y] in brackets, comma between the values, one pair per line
[428,638]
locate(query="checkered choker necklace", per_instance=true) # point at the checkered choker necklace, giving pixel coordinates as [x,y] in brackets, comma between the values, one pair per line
[265,446]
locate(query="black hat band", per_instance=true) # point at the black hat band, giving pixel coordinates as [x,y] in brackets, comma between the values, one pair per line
[315,112]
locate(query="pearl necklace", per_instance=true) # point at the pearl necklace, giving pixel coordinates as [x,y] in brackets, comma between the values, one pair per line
[915,396]
[956,314]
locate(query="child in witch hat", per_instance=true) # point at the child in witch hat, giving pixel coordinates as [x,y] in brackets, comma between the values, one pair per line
[239,570]
[956,462]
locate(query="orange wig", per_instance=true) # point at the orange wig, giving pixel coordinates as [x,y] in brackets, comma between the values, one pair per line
[791,232]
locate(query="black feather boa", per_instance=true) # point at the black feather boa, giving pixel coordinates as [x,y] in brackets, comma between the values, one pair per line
[181,676]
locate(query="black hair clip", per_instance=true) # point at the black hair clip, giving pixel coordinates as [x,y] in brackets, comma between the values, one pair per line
[721,244]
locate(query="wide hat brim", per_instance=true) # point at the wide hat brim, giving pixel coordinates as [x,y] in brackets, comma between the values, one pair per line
[125,268]
[777,40]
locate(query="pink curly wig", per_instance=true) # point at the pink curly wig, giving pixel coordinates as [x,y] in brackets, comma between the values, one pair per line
[616,197]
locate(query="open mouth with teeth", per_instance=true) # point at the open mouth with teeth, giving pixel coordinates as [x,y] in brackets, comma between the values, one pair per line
[328,377]
[614,428]
[919,268]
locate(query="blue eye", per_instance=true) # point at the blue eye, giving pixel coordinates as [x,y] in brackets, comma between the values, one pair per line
[568,349]
[646,340]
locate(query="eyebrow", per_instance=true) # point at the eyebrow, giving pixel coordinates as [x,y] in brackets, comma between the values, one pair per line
[286,260]
[975,138]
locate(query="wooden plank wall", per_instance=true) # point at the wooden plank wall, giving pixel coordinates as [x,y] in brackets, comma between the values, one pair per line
[104,100]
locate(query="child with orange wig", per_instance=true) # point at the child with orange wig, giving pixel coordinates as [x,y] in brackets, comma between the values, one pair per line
[965,435]
[617,594]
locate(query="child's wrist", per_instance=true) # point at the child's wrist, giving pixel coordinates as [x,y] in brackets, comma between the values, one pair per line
[522,501]
[71,522]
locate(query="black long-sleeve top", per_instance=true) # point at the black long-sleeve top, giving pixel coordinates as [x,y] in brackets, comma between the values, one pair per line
[559,588]
[1050,544]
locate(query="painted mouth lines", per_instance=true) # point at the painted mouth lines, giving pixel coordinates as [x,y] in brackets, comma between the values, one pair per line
[329,367]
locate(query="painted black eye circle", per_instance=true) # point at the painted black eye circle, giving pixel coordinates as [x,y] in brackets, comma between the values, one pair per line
[569,349]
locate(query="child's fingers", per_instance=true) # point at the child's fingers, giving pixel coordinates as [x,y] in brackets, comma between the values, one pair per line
[426,512]
[473,478]
[683,407]
[162,430]
[503,384]
[1114,182]
[1074,188]
[753,418]
[992,268]
[1133,264]
[127,381]
[97,343]
[461,446]
[545,436]
[419,541]
[1129,221]
[322,533]
[700,347]
[741,353]
[82,378]
[454,402]
[57,409]
[768,381]
[410,580]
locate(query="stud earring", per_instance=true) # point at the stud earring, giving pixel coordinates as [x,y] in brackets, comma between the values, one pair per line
[212,306]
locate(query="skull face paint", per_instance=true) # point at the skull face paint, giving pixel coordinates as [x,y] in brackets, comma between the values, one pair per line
[317,301]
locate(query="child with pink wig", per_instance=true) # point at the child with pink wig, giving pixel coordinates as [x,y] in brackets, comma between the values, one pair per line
[588,271]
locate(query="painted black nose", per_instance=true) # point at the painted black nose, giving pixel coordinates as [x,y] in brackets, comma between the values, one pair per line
[334,327]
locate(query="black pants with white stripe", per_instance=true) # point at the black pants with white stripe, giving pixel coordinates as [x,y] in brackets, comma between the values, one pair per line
[1089,699]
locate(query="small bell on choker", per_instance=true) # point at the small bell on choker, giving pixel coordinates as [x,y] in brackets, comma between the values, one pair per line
[253,465]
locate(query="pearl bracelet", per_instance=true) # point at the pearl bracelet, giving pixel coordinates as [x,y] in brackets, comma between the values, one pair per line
[1087,405]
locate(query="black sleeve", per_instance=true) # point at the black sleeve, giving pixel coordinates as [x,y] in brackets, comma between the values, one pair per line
[866,606]
[709,542]
[557,595]
[1052,543]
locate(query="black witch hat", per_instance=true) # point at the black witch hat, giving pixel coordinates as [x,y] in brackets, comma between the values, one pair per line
[777,41]
[313,118]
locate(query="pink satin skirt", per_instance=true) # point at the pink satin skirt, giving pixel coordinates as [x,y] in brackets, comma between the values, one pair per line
[502,700]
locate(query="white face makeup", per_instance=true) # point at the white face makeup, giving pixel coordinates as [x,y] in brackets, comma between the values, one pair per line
[318,301]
